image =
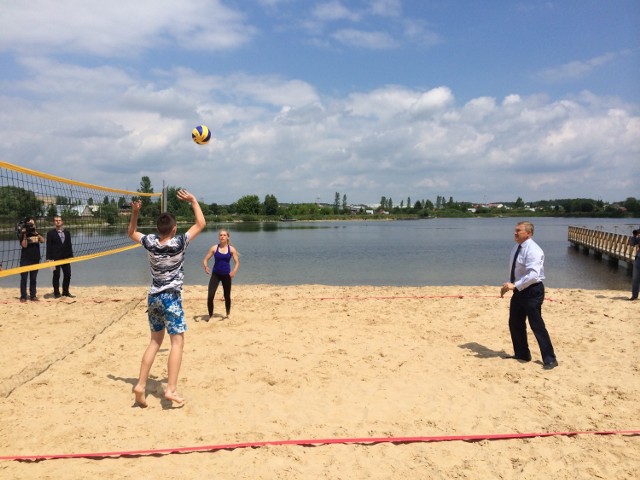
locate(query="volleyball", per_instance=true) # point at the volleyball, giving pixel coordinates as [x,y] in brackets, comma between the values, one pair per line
[201,135]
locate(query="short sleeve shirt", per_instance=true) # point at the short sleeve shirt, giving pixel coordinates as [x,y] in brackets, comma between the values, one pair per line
[166,262]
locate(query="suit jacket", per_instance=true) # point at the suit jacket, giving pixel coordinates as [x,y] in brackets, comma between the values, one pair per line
[56,250]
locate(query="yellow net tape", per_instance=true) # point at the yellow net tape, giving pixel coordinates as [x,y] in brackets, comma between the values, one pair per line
[95,217]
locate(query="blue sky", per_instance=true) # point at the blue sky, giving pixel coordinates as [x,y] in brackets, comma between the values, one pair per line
[479,101]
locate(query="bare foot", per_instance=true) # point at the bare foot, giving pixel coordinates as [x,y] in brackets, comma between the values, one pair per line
[176,399]
[140,396]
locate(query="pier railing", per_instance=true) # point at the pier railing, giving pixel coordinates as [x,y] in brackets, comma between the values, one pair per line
[616,246]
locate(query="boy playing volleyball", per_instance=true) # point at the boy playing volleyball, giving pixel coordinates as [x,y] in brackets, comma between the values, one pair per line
[166,258]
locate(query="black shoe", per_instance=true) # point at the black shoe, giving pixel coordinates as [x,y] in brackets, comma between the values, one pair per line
[633,299]
[513,357]
[67,294]
[34,299]
[57,295]
[550,365]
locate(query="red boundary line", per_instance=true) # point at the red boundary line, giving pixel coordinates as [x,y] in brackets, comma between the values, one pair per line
[397,297]
[400,297]
[314,442]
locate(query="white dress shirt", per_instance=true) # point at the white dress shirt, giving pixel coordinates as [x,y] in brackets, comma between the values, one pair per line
[529,267]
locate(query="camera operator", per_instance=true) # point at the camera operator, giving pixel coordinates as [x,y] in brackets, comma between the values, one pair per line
[635,279]
[30,241]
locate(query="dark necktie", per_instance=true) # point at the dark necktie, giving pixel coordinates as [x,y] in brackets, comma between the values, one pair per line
[512,278]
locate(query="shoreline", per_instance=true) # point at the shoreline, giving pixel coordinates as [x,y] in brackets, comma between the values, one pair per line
[322,362]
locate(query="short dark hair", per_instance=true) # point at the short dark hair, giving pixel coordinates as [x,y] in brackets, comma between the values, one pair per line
[165,223]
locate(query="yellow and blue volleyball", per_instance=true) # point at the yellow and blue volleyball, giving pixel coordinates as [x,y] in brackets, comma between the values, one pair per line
[201,135]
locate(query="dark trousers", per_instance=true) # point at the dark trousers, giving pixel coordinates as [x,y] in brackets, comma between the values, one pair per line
[66,281]
[215,280]
[635,279]
[528,304]
[32,276]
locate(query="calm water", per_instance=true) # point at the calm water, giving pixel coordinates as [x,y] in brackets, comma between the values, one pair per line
[398,253]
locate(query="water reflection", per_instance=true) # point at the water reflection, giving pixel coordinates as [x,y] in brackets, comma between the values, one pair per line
[412,253]
[268,226]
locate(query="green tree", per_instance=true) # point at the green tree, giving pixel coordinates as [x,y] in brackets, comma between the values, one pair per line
[178,207]
[52,211]
[271,206]
[145,187]
[215,209]
[632,205]
[16,202]
[248,205]
[336,203]
[150,208]
[344,203]
[519,203]
[109,213]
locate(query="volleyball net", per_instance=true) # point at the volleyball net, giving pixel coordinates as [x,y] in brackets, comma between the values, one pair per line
[96,217]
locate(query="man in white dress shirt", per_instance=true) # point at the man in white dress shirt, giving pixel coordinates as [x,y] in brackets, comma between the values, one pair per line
[527,273]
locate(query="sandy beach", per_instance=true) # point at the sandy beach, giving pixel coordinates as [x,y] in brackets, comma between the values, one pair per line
[315,362]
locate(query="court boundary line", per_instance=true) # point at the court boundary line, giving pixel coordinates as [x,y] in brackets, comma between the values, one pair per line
[313,443]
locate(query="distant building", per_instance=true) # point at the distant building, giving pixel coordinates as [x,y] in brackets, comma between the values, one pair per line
[77,210]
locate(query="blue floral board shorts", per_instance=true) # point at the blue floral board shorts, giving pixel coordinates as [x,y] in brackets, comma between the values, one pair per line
[165,311]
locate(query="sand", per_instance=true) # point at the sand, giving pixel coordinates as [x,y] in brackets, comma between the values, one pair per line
[314,362]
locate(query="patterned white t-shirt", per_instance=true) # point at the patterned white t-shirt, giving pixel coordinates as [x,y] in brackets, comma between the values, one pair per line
[166,261]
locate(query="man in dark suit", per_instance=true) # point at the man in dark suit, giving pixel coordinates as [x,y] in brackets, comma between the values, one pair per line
[59,248]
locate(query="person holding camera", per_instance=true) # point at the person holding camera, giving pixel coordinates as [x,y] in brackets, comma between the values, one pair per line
[30,241]
[635,279]
[59,248]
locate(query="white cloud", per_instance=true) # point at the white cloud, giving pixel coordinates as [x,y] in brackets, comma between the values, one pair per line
[272,90]
[378,25]
[278,135]
[332,11]
[111,123]
[365,39]
[107,29]
[386,8]
[576,69]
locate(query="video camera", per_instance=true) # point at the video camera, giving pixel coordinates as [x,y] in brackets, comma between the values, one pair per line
[24,227]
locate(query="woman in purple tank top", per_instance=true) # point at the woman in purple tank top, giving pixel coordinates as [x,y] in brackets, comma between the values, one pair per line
[222,254]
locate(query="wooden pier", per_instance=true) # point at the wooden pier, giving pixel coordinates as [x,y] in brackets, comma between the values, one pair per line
[615,246]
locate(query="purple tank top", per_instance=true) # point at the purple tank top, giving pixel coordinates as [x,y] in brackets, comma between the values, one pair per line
[222,261]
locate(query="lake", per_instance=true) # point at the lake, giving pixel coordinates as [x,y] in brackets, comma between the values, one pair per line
[466,251]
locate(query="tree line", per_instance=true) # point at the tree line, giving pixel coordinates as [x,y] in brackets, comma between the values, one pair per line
[16,203]
[250,207]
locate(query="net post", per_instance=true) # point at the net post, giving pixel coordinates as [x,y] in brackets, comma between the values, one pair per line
[163,201]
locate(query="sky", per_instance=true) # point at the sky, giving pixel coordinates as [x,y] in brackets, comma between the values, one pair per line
[406,99]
